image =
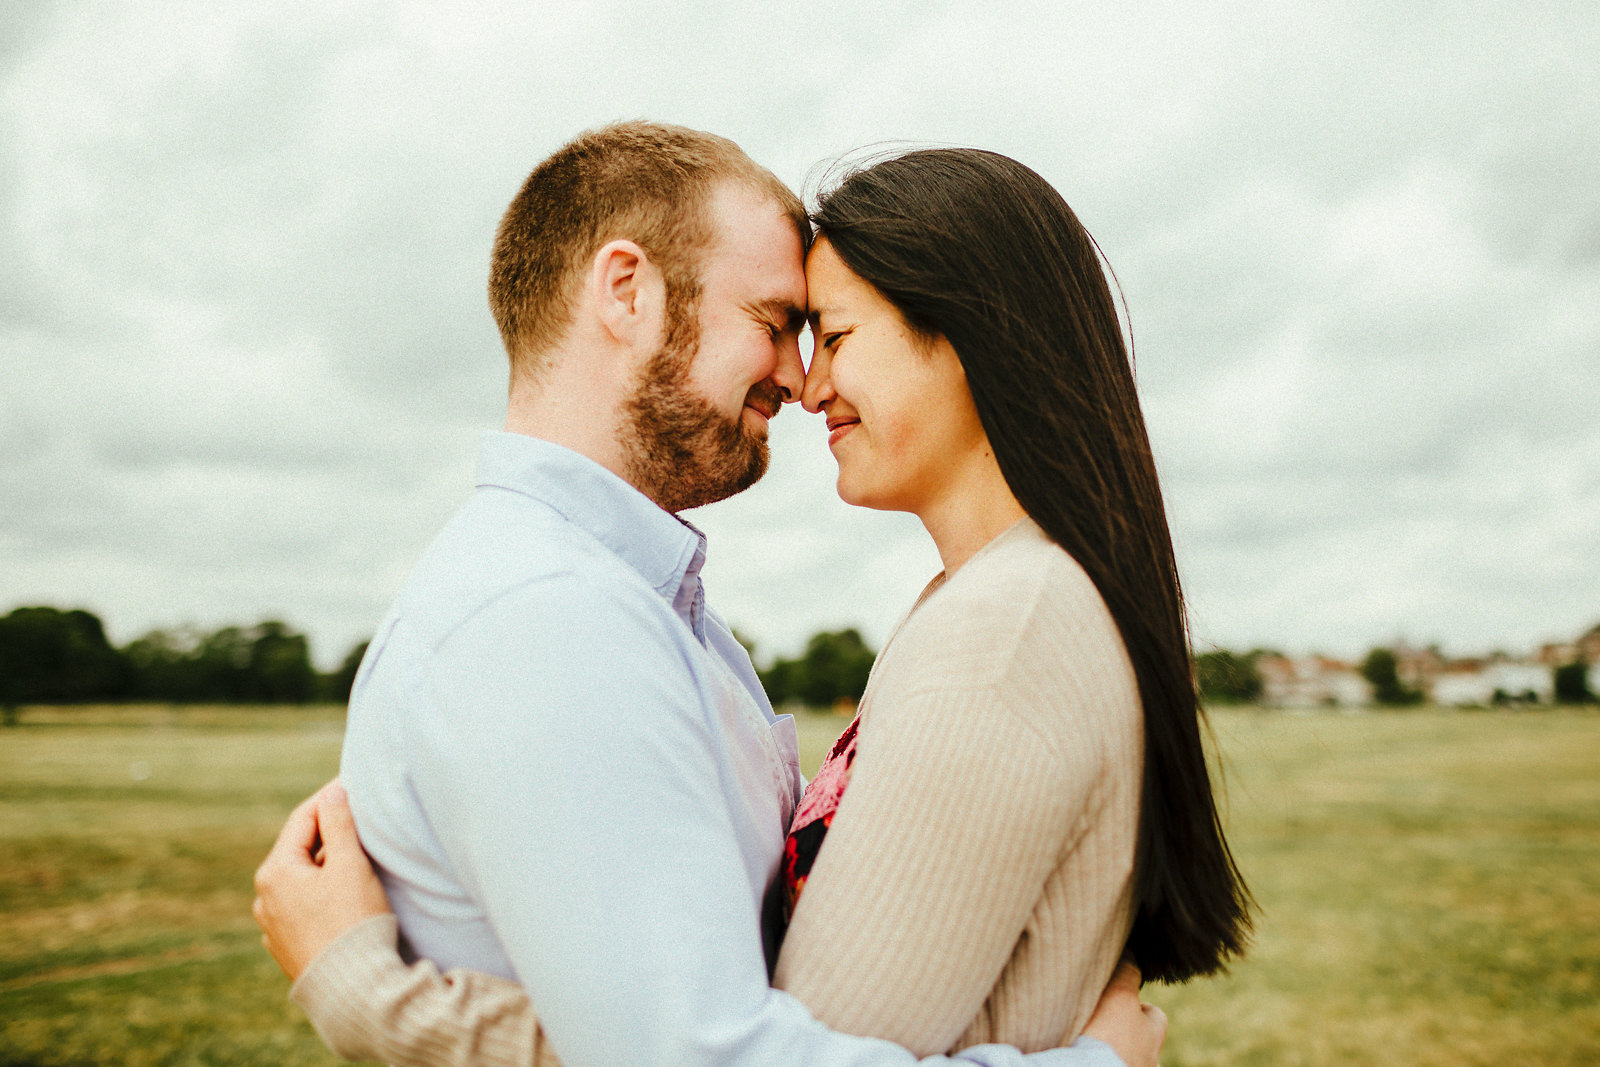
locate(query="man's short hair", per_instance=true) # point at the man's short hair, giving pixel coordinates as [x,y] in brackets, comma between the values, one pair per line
[642,181]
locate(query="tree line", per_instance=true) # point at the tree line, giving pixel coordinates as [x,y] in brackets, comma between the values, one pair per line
[832,671]
[1225,677]
[50,656]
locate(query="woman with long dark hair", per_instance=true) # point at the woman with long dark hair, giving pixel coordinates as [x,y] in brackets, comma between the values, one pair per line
[976,250]
[1024,795]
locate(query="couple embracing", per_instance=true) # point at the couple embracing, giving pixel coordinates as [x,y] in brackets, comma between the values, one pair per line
[592,841]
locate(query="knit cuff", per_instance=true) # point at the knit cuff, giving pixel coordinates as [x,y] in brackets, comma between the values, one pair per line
[345,973]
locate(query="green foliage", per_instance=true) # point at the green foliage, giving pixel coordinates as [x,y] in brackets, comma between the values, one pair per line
[1382,669]
[48,655]
[1225,677]
[53,656]
[834,668]
[161,665]
[263,664]
[1572,684]
[280,666]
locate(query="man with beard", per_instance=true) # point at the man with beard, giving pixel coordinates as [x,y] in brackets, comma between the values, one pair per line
[559,758]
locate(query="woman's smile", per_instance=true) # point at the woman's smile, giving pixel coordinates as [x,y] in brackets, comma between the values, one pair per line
[838,426]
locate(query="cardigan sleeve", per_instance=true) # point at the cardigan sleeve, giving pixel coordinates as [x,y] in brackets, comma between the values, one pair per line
[957,812]
[368,1004]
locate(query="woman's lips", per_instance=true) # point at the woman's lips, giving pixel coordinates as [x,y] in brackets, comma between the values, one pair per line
[837,428]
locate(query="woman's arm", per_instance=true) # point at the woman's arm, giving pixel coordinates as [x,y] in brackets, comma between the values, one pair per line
[367,1003]
[327,923]
[325,919]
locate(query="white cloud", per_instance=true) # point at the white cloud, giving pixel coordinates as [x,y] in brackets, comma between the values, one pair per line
[247,353]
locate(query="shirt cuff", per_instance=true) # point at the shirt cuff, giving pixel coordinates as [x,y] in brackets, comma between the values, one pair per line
[1097,1053]
[1084,1052]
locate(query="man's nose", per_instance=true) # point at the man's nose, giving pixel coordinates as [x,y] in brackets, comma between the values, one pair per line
[790,374]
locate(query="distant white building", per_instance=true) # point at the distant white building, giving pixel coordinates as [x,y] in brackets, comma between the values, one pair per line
[1311,682]
[1463,689]
[1479,684]
[1522,681]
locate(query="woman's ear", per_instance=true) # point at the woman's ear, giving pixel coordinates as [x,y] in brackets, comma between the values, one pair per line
[628,293]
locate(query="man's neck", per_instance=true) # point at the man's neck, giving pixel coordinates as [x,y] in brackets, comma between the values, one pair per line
[573,406]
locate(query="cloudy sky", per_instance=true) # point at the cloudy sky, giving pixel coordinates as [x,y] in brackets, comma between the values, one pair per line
[246,354]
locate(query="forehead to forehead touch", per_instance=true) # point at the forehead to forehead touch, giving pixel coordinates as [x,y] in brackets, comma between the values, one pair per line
[759,248]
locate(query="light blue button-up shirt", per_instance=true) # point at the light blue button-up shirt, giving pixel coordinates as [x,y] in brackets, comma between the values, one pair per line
[566,771]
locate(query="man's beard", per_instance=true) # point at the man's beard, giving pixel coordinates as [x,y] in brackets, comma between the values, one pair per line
[680,451]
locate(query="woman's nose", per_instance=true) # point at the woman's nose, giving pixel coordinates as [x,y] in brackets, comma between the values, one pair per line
[819,383]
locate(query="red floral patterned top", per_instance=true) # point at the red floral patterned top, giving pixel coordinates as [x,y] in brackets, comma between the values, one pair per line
[814,815]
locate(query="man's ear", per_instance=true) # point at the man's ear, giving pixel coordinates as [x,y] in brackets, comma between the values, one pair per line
[628,293]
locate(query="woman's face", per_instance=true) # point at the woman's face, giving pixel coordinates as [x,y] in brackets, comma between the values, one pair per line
[901,421]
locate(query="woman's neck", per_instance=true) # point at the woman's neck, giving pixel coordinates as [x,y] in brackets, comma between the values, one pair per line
[972,512]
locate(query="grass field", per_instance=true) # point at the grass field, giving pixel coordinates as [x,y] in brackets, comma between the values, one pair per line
[1430,884]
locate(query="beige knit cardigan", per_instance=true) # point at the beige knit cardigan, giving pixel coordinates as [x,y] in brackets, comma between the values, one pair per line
[975,885]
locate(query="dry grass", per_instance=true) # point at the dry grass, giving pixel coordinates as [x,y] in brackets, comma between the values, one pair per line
[1430,884]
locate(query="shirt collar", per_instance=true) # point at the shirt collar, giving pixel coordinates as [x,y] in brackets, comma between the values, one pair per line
[666,551]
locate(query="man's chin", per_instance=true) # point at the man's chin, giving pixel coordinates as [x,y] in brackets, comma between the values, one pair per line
[755,421]
[752,472]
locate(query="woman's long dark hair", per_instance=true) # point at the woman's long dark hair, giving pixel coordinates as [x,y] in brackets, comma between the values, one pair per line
[976,248]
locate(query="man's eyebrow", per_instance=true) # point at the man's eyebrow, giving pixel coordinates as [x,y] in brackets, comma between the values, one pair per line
[777,309]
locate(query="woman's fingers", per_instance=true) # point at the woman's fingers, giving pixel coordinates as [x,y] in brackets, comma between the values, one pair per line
[337,823]
[343,857]
[1134,1030]
[299,833]
[1158,1019]
[1126,978]
[293,847]
[316,882]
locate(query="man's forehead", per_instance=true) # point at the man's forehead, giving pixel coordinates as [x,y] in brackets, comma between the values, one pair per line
[740,207]
[759,255]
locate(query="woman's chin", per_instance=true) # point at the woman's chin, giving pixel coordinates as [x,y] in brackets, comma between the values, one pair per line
[862,497]
[849,493]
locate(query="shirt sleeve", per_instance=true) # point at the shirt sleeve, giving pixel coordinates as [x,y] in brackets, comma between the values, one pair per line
[956,814]
[578,794]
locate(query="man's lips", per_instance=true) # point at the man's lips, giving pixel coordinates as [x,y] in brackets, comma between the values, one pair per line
[765,400]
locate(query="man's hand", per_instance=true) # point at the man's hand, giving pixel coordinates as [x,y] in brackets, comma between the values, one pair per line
[316,882]
[1134,1030]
